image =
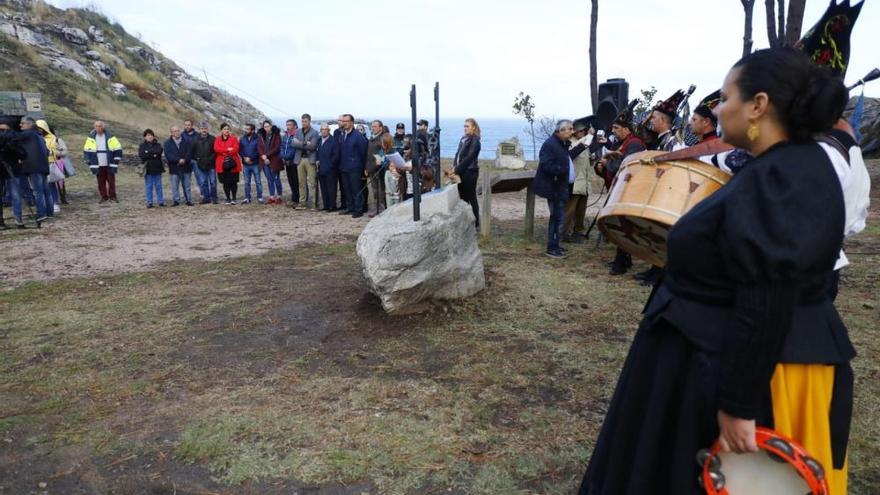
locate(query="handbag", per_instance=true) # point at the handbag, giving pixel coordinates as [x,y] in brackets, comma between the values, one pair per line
[69,169]
[228,164]
[55,173]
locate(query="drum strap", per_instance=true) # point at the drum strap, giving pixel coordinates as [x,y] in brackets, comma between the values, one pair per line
[712,147]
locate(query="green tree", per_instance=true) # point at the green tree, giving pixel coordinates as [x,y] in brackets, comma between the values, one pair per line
[524,106]
[646,102]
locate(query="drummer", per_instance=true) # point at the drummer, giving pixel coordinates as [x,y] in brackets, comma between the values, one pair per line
[663,121]
[742,331]
[623,129]
[704,122]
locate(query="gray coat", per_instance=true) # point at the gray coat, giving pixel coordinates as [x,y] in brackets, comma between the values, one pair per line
[307,146]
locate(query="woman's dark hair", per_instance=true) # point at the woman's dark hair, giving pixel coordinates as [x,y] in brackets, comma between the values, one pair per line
[808,99]
[150,132]
[224,126]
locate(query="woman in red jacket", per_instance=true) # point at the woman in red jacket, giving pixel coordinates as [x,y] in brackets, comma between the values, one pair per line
[227,162]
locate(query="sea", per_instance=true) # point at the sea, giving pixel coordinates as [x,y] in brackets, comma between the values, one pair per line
[492,130]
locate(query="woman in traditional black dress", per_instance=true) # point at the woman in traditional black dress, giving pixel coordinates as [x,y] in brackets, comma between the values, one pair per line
[742,331]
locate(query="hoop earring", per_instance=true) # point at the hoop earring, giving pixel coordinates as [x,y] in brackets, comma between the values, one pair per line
[753,131]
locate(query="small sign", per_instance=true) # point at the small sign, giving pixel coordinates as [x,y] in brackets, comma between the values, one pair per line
[508,149]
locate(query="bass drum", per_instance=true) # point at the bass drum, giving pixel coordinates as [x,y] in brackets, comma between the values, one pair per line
[648,197]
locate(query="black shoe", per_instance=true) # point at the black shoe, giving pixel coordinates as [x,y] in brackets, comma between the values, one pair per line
[176,203]
[42,219]
[161,205]
[617,269]
[650,274]
[189,203]
[556,254]
[214,202]
[357,215]
[205,202]
[103,200]
[149,205]
[345,212]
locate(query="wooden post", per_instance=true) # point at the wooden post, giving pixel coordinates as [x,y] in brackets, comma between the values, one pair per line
[530,211]
[486,207]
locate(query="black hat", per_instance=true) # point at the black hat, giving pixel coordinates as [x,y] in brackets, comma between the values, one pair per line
[423,122]
[669,106]
[400,125]
[708,104]
[584,123]
[625,118]
[827,42]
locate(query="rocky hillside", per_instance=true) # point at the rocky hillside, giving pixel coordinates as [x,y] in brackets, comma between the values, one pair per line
[88,68]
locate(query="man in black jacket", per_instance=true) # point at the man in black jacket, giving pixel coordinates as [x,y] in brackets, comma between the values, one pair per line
[35,165]
[555,172]
[11,154]
[202,151]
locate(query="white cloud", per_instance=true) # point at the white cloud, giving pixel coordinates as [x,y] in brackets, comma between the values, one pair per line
[331,57]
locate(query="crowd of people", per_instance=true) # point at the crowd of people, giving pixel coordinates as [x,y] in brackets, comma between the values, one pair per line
[34,161]
[346,171]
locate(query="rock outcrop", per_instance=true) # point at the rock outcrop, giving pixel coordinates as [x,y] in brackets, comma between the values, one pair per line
[92,52]
[407,264]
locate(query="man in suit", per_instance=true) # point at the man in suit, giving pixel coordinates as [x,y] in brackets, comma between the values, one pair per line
[328,167]
[352,151]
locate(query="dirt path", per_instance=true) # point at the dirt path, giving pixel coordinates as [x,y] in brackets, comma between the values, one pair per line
[89,239]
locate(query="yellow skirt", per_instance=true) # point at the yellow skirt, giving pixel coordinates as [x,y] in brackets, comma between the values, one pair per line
[801,395]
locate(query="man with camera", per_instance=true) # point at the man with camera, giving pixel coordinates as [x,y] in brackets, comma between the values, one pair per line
[576,207]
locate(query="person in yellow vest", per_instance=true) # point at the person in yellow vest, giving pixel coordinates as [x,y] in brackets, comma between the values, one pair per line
[103,153]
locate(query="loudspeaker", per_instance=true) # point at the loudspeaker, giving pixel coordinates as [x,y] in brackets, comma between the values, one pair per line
[617,90]
[606,114]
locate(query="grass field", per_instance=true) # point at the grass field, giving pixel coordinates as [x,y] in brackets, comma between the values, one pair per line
[279,373]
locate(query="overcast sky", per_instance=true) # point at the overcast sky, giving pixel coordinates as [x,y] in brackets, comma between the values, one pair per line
[326,58]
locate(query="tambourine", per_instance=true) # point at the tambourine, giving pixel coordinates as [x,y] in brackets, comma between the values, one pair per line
[781,467]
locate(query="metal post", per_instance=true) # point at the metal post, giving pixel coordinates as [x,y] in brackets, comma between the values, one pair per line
[437,168]
[417,179]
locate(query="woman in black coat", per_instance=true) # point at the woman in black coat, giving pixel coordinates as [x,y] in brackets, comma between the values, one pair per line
[742,332]
[467,166]
[150,153]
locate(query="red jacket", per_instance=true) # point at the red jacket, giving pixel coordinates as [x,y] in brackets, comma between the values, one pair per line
[224,149]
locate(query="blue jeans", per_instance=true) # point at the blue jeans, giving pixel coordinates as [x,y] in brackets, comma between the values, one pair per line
[200,177]
[274,180]
[37,183]
[208,184]
[554,226]
[14,194]
[48,189]
[182,180]
[252,171]
[154,182]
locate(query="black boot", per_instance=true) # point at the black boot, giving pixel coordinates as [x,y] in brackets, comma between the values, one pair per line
[622,262]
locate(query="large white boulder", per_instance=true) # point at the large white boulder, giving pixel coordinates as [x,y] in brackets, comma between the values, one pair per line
[407,263]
